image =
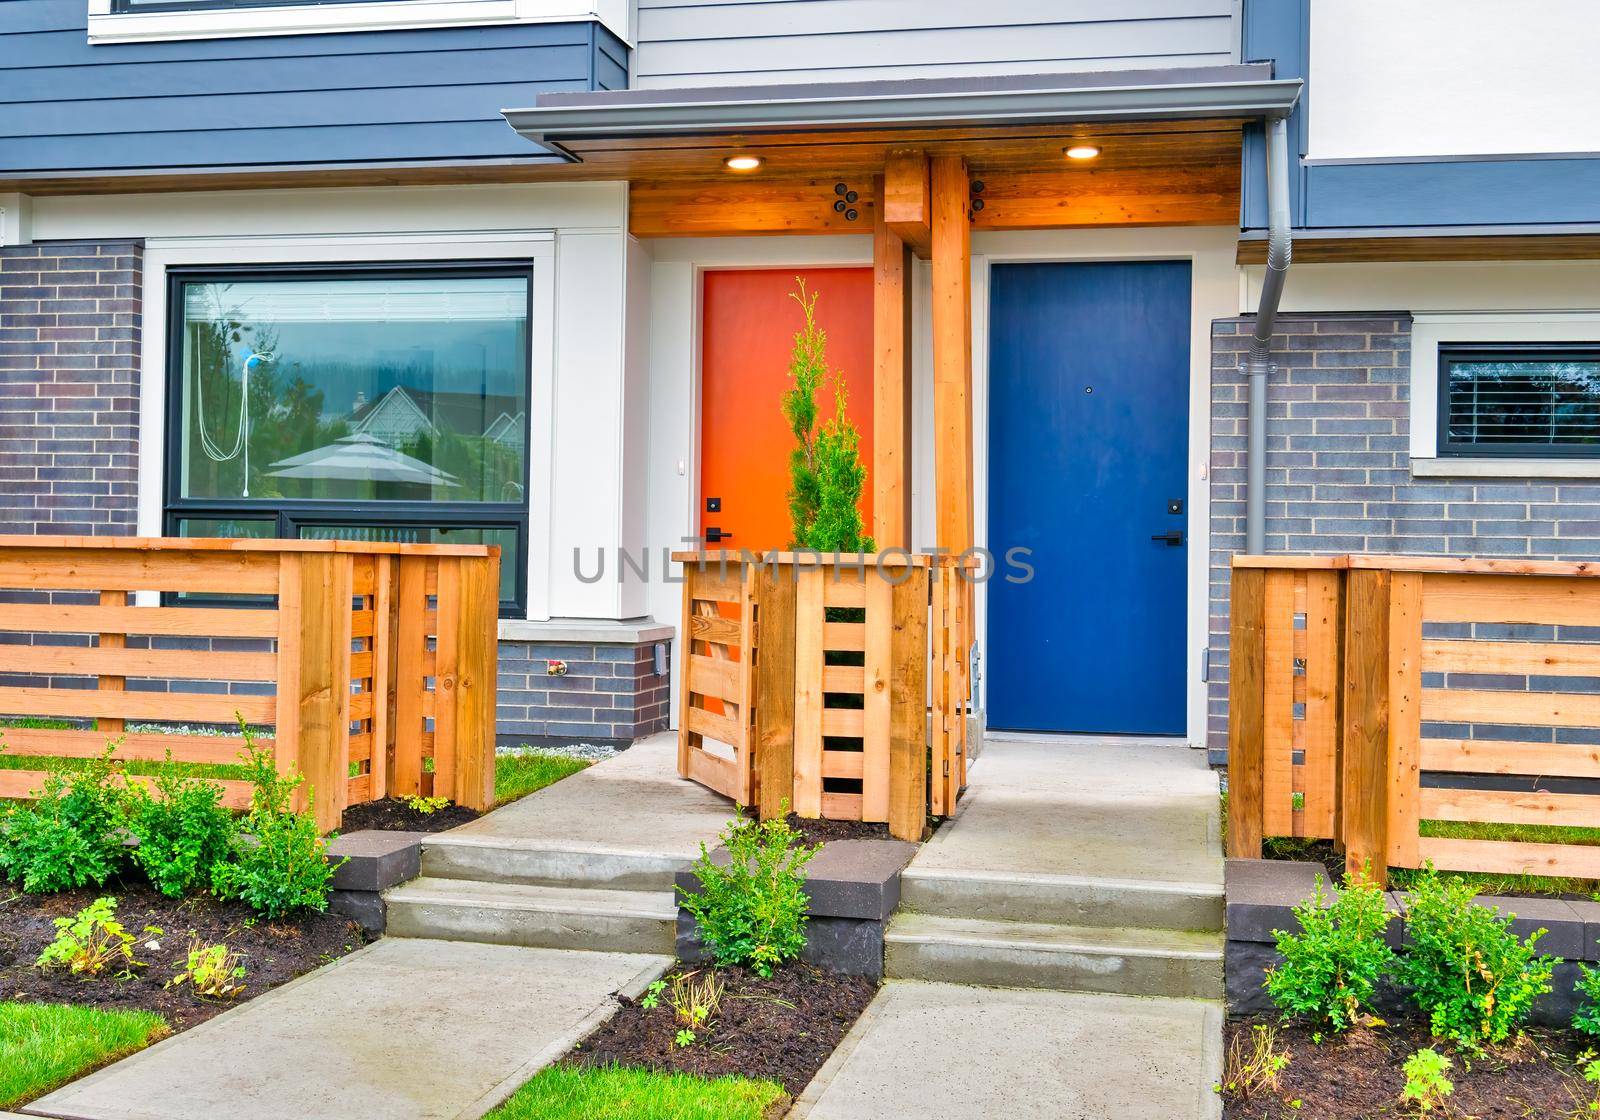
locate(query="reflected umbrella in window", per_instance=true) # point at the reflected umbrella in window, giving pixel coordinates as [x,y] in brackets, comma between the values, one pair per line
[361,458]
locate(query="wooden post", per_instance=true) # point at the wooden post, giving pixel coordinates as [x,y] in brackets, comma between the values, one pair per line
[774,720]
[476,621]
[908,743]
[952,353]
[1365,786]
[1404,760]
[313,709]
[411,647]
[111,725]
[891,387]
[385,638]
[1247,679]
[809,626]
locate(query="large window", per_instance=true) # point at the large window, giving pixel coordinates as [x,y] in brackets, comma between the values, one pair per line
[360,404]
[1527,401]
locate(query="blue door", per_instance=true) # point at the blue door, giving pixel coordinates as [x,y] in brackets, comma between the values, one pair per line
[1088,455]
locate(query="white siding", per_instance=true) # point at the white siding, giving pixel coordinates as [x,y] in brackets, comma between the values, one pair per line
[696,43]
[1416,78]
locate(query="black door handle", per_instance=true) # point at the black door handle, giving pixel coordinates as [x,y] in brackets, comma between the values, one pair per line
[1173,539]
[714,534]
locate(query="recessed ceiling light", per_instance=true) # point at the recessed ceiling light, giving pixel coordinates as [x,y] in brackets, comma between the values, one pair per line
[742,163]
[1083,151]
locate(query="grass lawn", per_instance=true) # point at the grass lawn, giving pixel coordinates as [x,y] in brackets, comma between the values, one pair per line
[517,775]
[570,1093]
[43,1046]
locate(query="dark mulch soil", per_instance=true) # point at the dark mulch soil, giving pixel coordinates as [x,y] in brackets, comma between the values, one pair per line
[820,831]
[783,1028]
[273,951]
[1358,1077]
[394,815]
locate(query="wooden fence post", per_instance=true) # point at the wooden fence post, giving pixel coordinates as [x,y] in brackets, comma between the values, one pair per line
[1247,680]
[313,708]
[775,602]
[476,619]
[1364,793]
[908,720]
[411,648]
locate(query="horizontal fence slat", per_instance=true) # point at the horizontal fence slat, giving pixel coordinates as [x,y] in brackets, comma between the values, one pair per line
[360,706]
[843,722]
[848,591]
[722,631]
[68,703]
[1522,658]
[712,585]
[714,772]
[206,750]
[360,748]
[844,636]
[191,664]
[1495,756]
[1489,806]
[102,569]
[1534,709]
[1502,857]
[843,764]
[844,678]
[709,676]
[361,665]
[717,727]
[358,789]
[841,806]
[187,622]
[1542,600]
[23,784]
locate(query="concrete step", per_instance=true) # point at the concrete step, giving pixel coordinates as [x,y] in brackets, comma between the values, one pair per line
[1018,896]
[533,916]
[449,856]
[1135,962]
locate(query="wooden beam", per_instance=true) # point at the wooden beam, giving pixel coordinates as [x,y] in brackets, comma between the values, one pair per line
[732,207]
[952,353]
[1246,711]
[1365,798]
[891,388]
[907,204]
[1071,197]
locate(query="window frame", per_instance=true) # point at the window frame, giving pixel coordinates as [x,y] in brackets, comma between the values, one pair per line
[1450,353]
[291,515]
[134,7]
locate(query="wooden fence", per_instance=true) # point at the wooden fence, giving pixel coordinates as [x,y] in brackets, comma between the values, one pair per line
[369,668]
[836,684]
[1369,694]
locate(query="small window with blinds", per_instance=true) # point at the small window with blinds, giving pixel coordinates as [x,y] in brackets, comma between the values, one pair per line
[1525,401]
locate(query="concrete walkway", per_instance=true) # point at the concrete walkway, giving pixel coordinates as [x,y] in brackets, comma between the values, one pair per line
[949,1052]
[400,1030]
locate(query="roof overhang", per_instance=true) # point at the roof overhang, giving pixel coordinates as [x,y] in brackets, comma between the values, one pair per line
[559,122]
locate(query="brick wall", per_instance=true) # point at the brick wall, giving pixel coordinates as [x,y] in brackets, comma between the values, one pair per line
[69,386]
[1339,472]
[609,692]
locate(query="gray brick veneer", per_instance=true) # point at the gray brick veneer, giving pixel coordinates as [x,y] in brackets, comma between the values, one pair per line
[608,692]
[69,386]
[1339,471]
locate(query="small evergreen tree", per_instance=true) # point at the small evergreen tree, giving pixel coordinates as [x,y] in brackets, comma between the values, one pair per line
[826,476]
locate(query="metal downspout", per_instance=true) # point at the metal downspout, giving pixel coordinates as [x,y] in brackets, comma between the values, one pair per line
[1258,363]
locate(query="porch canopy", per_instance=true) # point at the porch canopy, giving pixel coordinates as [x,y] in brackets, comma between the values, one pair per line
[920,164]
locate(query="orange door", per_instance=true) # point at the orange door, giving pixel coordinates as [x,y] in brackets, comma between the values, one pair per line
[748,331]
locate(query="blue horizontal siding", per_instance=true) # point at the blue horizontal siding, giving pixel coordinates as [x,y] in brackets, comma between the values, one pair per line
[1377,195]
[1457,193]
[417,94]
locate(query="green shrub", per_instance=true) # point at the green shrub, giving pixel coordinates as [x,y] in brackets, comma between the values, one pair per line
[826,476]
[1586,1016]
[279,862]
[1331,967]
[183,832]
[753,911]
[92,940]
[1467,971]
[1426,1084]
[71,835]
